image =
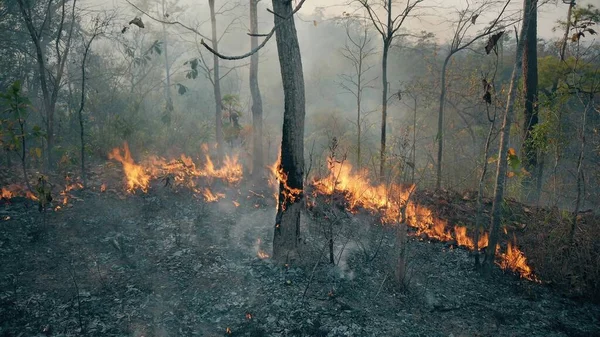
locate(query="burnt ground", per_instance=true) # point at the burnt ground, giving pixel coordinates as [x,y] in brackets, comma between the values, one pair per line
[166,264]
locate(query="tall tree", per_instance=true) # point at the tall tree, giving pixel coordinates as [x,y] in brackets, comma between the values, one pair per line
[388,29]
[467,19]
[257,108]
[503,148]
[216,82]
[530,95]
[99,24]
[357,50]
[50,88]
[290,167]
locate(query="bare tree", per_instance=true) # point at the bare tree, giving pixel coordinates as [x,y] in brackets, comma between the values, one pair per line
[388,29]
[467,19]
[50,82]
[496,219]
[357,50]
[99,24]
[257,108]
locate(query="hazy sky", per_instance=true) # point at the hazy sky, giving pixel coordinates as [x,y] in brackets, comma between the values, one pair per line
[547,16]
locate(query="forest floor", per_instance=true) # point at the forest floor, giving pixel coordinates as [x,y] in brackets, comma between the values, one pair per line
[167,264]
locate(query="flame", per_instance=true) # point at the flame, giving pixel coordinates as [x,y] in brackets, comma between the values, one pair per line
[460,234]
[290,194]
[515,260]
[14,190]
[259,252]
[5,193]
[177,172]
[248,316]
[235,203]
[135,174]
[103,187]
[210,196]
[391,202]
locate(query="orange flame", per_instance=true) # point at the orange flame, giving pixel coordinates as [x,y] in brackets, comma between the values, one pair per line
[515,260]
[14,190]
[259,252]
[5,193]
[177,172]
[210,196]
[392,204]
[135,174]
[290,194]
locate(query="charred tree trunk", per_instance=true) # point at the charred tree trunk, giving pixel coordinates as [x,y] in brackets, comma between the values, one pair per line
[530,88]
[291,167]
[257,108]
[384,101]
[440,133]
[490,252]
[216,83]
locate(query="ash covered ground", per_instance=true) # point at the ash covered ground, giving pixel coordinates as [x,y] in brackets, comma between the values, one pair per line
[168,264]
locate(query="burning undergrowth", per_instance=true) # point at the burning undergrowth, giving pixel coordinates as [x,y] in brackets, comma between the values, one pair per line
[178,173]
[393,204]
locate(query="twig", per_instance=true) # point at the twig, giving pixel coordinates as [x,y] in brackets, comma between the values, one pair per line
[381,285]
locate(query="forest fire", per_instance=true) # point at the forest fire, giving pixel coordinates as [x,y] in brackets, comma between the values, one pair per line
[289,193]
[15,190]
[135,175]
[392,203]
[516,261]
[177,172]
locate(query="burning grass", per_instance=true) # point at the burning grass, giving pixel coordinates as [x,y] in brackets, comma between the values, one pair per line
[181,172]
[393,204]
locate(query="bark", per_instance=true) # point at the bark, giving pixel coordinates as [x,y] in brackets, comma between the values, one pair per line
[167,67]
[530,93]
[563,46]
[257,107]
[440,133]
[287,222]
[216,83]
[495,222]
[384,82]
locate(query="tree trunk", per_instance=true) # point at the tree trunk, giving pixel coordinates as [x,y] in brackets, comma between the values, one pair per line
[384,92]
[257,108]
[216,83]
[479,214]
[358,106]
[530,93]
[291,167]
[490,252]
[169,107]
[80,111]
[579,174]
[563,46]
[440,133]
